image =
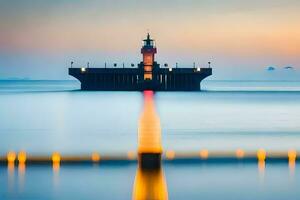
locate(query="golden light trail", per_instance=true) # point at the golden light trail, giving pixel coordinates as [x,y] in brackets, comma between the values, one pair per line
[21,168]
[56,158]
[10,167]
[11,174]
[21,175]
[261,166]
[11,157]
[149,131]
[150,184]
[292,156]
[149,181]
[261,157]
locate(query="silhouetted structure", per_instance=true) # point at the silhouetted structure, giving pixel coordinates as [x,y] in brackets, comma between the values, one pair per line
[148,75]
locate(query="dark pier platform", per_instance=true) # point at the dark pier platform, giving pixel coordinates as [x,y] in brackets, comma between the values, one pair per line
[132,79]
[148,75]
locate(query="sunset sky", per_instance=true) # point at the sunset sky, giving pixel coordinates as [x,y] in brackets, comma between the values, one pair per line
[38,39]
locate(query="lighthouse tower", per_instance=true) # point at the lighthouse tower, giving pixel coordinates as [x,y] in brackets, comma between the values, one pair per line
[148,50]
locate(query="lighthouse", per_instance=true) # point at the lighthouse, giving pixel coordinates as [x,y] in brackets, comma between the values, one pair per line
[148,50]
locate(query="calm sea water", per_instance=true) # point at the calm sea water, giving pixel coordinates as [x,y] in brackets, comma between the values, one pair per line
[115,182]
[46,116]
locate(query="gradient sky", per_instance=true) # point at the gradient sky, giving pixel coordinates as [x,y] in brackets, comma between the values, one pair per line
[39,38]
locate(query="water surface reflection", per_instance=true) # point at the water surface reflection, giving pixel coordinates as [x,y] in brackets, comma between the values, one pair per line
[149,181]
[150,184]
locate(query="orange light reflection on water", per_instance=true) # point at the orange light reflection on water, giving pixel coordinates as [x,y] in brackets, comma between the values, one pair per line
[56,161]
[292,156]
[150,184]
[11,157]
[21,175]
[11,175]
[261,157]
[149,131]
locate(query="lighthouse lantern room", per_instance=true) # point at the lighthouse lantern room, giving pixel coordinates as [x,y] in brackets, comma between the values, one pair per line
[148,50]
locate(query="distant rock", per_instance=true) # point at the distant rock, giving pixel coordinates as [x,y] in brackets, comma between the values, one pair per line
[289,68]
[271,68]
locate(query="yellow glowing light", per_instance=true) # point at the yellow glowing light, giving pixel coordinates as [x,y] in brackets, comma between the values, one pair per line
[148,65]
[22,157]
[170,69]
[239,153]
[147,76]
[204,154]
[148,59]
[148,68]
[83,69]
[56,157]
[11,156]
[170,155]
[292,155]
[131,155]
[95,157]
[261,155]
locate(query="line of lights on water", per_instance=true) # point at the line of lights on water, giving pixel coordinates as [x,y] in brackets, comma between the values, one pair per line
[261,155]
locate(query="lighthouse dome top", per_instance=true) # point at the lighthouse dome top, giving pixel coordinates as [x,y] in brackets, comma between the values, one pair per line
[148,41]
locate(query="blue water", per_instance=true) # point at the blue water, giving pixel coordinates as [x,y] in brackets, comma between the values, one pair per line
[114,182]
[45,116]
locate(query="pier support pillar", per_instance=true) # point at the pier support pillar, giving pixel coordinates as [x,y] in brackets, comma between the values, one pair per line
[149,160]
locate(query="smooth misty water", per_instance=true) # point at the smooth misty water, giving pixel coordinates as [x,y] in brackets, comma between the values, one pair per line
[46,116]
[184,181]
